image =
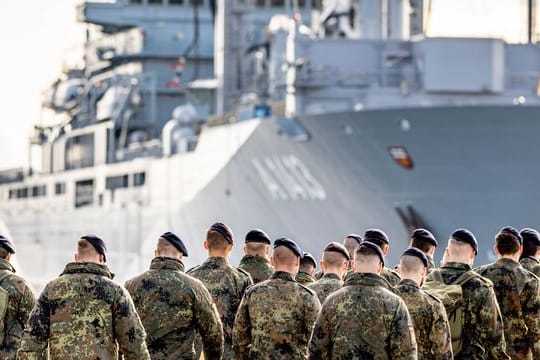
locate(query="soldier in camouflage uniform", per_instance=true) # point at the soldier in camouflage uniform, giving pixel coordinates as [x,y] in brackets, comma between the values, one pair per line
[482,333]
[255,260]
[20,303]
[334,263]
[364,320]
[276,316]
[173,307]
[529,258]
[350,242]
[424,240]
[518,294]
[83,314]
[428,314]
[225,283]
[378,237]
[306,272]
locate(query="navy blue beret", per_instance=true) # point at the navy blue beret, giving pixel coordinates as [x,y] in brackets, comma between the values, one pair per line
[176,242]
[223,230]
[412,251]
[257,236]
[464,235]
[291,245]
[425,235]
[530,235]
[512,231]
[308,258]
[372,246]
[97,243]
[356,237]
[7,244]
[338,248]
[376,235]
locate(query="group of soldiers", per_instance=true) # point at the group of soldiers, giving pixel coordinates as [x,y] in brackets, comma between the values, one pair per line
[279,307]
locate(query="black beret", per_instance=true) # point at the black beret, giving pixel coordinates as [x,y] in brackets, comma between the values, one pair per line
[223,230]
[7,244]
[530,235]
[337,247]
[372,246]
[464,235]
[97,243]
[425,235]
[412,251]
[176,242]
[291,245]
[308,258]
[257,236]
[356,237]
[377,235]
[512,231]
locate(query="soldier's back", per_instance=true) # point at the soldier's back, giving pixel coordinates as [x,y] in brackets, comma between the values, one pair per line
[518,296]
[391,276]
[531,264]
[363,320]
[275,320]
[326,285]
[173,308]
[258,267]
[429,320]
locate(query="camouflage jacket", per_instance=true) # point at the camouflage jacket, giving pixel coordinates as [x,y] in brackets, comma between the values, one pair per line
[257,266]
[275,320]
[20,304]
[304,278]
[226,284]
[429,319]
[83,314]
[363,320]
[173,307]
[431,263]
[532,264]
[391,276]
[518,294]
[483,336]
[326,285]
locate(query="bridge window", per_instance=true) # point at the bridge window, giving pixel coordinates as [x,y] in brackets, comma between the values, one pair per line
[60,188]
[135,2]
[84,193]
[139,179]
[12,193]
[116,182]
[176,2]
[277,3]
[196,2]
[155,2]
[80,151]
[260,3]
[38,191]
[22,193]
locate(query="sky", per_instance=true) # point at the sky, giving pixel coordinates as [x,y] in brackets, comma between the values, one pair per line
[37,35]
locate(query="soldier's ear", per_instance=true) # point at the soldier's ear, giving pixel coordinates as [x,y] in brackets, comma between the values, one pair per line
[205,245]
[76,256]
[272,260]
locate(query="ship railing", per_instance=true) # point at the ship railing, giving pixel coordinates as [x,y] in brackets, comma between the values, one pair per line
[13,175]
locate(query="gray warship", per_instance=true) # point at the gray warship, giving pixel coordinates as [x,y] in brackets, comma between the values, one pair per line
[308,120]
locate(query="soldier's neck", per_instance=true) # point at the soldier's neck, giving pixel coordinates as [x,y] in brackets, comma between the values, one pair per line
[514,257]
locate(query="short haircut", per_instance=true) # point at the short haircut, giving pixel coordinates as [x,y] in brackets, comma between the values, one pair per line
[215,240]
[284,256]
[165,247]
[333,259]
[411,265]
[422,244]
[306,266]
[459,247]
[256,247]
[529,249]
[377,242]
[507,243]
[84,248]
[3,252]
[364,251]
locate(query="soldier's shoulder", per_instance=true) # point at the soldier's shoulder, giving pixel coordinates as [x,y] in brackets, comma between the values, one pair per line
[478,280]
[304,288]
[193,269]
[242,272]
[432,299]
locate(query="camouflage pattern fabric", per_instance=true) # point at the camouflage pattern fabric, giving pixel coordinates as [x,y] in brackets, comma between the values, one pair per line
[531,264]
[429,319]
[431,263]
[391,276]
[518,294]
[363,320]
[304,278]
[173,307]
[226,284]
[483,335]
[275,320]
[21,302]
[83,314]
[326,285]
[258,267]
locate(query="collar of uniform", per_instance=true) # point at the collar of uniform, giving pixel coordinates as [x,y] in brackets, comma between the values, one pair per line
[282,275]
[331,276]
[5,265]
[166,263]
[457,265]
[409,283]
[216,260]
[532,258]
[431,262]
[87,268]
[255,258]
[305,275]
[508,262]
[368,279]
